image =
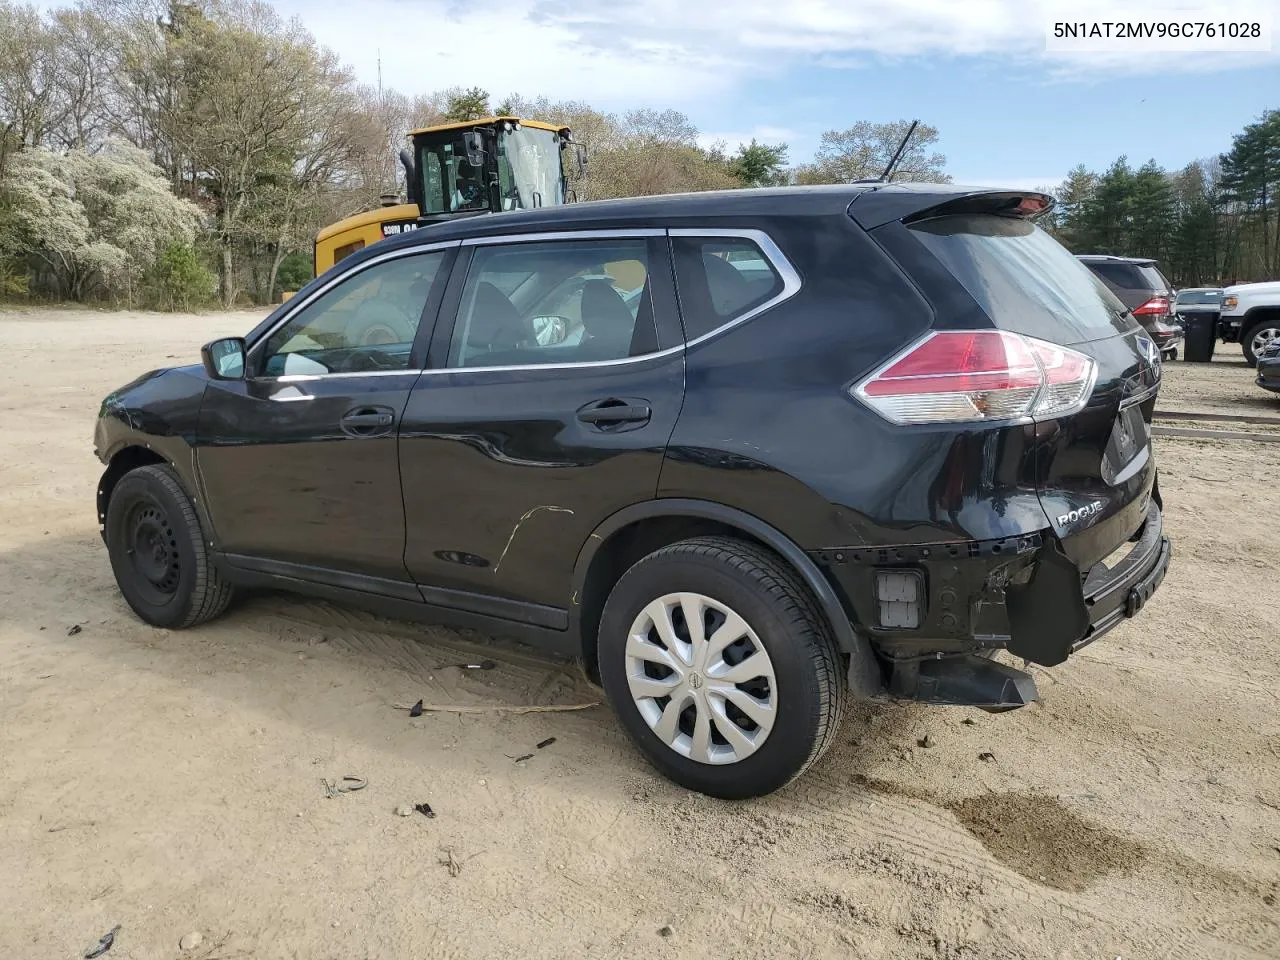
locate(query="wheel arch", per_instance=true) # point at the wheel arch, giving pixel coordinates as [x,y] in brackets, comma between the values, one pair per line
[126,458]
[1253,317]
[637,530]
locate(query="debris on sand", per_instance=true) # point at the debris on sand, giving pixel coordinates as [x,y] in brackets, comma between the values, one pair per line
[348,784]
[416,709]
[104,944]
[452,862]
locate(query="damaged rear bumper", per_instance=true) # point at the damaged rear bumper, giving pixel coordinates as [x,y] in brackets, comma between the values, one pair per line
[971,600]
[1116,594]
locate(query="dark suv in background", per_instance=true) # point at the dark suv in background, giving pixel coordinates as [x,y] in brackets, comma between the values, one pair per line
[1138,283]
[745,453]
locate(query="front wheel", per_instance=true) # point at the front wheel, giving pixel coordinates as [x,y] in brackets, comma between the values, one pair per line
[1257,337]
[158,552]
[720,668]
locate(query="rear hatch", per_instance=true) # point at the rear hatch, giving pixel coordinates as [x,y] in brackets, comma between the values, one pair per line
[1093,464]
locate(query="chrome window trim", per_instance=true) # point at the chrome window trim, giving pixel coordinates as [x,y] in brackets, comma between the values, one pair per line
[305,377]
[621,233]
[583,364]
[791,284]
[314,295]
[791,281]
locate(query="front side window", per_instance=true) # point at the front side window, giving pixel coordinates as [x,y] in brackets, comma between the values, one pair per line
[576,301]
[720,280]
[367,322]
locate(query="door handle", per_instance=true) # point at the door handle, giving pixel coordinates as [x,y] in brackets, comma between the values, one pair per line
[367,421]
[614,411]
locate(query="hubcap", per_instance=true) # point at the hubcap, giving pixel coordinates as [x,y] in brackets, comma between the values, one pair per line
[701,678]
[1262,338]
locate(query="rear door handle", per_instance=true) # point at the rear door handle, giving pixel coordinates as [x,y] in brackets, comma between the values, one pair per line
[368,421]
[603,413]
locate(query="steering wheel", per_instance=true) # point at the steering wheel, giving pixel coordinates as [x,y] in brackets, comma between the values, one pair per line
[360,361]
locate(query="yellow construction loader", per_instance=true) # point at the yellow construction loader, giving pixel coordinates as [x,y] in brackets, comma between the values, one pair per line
[463,170]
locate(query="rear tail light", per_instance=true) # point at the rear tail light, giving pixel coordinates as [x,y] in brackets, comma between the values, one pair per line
[1155,307]
[979,375]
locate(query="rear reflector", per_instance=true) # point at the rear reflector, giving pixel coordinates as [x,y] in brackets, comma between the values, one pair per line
[1156,306]
[979,375]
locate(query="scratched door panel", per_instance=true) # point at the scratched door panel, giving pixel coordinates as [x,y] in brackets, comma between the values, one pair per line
[504,481]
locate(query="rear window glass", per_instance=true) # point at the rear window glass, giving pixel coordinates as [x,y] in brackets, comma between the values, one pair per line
[1153,278]
[1200,296]
[1024,279]
[1126,276]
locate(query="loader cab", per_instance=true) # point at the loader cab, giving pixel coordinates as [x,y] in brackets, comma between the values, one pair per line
[489,166]
[466,169]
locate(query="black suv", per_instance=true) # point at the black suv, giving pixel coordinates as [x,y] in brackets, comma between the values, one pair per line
[1138,283]
[746,453]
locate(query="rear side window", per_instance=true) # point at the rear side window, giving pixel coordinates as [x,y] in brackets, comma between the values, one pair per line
[721,279]
[1024,279]
[571,301]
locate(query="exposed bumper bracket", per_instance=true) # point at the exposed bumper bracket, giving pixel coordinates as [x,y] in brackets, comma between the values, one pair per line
[971,681]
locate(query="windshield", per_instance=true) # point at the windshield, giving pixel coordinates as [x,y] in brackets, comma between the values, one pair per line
[529,172]
[1024,279]
[1200,296]
[449,182]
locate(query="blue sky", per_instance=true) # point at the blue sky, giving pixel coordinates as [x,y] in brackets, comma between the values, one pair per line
[1008,110]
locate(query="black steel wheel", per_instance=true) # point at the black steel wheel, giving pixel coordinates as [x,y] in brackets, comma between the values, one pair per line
[158,551]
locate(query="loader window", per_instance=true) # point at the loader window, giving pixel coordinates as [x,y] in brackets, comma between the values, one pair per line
[449,183]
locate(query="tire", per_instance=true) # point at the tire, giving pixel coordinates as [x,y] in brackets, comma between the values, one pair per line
[159,553]
[1171,354]
[806,688]
[1264,329]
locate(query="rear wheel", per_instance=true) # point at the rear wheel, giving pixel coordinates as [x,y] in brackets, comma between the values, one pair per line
[158,551]
[720,668]
[1257,337]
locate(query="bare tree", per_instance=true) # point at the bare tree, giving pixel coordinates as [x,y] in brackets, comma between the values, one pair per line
[865,149]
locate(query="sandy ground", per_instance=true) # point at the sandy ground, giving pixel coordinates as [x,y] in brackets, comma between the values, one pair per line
[170,783]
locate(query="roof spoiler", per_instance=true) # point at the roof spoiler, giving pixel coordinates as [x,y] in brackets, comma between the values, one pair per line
[909,204]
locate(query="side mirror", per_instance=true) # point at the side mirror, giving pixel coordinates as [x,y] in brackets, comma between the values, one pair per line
[224,359]
[473,144]
[580,158]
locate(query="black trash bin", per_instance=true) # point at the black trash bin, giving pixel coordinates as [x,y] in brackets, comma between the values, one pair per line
[1201,335]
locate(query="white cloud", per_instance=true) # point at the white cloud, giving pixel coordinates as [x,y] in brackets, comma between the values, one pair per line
[675,52]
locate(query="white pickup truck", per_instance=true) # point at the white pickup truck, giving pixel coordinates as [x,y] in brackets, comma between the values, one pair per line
[1250,316]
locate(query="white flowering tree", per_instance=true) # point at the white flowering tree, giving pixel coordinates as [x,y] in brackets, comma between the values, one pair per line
[96,222]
